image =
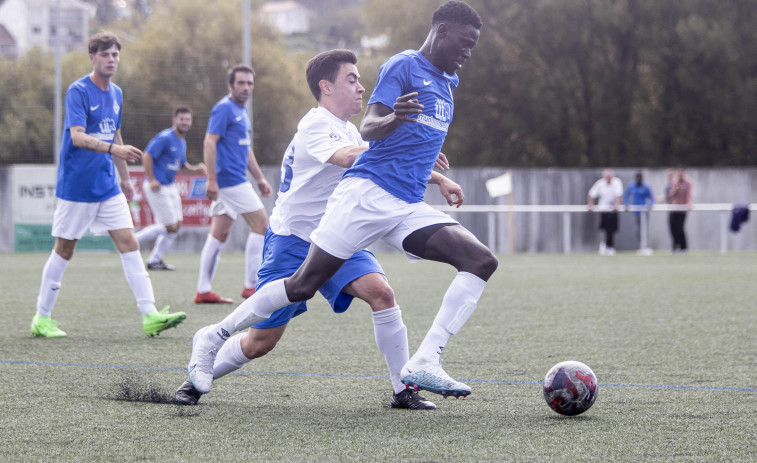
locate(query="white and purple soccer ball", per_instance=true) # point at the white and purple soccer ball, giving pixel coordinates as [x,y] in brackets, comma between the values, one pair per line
[570,388]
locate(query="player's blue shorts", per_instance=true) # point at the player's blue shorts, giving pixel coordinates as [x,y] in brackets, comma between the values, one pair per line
[283,255]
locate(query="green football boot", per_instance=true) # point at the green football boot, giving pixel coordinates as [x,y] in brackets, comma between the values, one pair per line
[46,327]
[155,322]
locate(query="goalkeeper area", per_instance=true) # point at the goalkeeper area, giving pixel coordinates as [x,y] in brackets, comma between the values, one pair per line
[671,340]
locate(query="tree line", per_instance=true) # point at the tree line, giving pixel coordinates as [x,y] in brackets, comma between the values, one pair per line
[552,83]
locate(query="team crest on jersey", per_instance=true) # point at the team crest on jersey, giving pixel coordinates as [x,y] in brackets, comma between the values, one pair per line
[335,137]
[116,108]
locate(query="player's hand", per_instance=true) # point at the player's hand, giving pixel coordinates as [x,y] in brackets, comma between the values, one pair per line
[264,188]
[441,162]
[201,169]
[211,190]
[452,192]
[128,189]
[126,152]
[407,106]
[155,186]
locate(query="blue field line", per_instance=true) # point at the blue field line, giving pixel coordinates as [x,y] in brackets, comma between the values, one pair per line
[326,375]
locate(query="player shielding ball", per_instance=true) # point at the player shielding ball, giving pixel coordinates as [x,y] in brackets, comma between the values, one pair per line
[381,196]
[164,157]
[325,144]
[88,190]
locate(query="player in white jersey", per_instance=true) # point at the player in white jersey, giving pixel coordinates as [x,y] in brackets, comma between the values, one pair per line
[325,144]
[88,190]
[165,156]
[381,197]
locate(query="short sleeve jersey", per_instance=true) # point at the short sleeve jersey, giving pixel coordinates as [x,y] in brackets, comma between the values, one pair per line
[307,178]
[168,152]
[606,193]
[402,162]
[231,122]
[83,175]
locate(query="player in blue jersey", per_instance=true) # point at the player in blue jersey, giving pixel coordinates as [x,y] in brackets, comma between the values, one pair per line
[228,156]
[381,196]
[88,190]
[325,144]
[164,157]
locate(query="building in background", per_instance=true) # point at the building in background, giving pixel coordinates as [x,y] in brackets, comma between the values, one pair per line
[25,24]
[289,17]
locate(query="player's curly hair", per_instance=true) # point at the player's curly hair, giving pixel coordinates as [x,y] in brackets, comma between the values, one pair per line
[102,41]
[325,66]
[457,12]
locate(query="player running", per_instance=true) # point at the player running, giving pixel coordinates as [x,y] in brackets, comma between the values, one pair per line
[325,144]
[381,196]
[88,190]
[164,157]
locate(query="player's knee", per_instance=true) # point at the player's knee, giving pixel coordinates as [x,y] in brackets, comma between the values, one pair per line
[381,297]
[256,348]
[297,292]
[482,263]
[173,228]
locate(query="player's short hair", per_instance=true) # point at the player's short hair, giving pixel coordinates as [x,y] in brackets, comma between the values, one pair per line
[239,68]
[325,66]
[456,12]
[102,41]
[182,110]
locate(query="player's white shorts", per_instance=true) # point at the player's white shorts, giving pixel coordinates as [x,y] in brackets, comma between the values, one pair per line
[235,200]
[360,213]
[165,203]
[72,218]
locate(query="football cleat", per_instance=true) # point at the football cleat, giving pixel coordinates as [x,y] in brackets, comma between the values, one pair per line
[200,368]
[211,298]
[411,400]
[160,265]
[431,377]
[46,327]
[187,394]
[247,292]
[155,322]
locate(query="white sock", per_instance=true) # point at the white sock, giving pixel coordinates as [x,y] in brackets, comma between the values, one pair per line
[251,311]
[391,339]
[230,357]
[139,281]
[150,233]
[49,288]
[457,306]
[253,252]
[211,254]
[162,244]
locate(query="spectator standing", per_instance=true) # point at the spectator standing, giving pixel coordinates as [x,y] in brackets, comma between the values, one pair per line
[638,193]
[607,191]
[680,194]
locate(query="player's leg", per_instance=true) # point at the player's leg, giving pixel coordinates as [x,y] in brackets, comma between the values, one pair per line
[220,227]
[168,213]
[162,244]
[253,251]
[52,274]
[317,268]
[70,221]
[390,334]
[114,216]
[235,353]
[475,263]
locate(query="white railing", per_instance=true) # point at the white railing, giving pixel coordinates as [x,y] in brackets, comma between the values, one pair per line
[566,210]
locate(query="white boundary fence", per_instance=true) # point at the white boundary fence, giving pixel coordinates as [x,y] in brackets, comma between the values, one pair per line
[724,210]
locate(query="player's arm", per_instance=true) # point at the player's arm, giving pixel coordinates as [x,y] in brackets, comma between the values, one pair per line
[147,163]
[198,168]
[209,155]
[451,191]
[257,173]
[380,120]
[81,139]
[345,157]
[122,169]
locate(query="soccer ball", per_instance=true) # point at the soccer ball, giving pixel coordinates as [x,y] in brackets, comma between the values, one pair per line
[570,388]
